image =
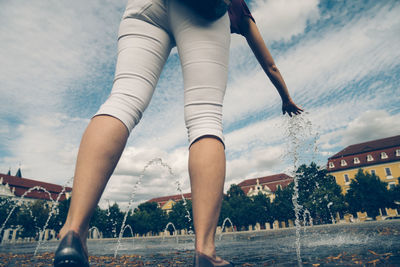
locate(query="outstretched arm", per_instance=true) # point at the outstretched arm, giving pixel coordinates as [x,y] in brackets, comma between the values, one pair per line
[261,52]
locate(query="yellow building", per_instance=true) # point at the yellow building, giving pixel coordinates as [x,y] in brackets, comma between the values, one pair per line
[380,157]
[166,203]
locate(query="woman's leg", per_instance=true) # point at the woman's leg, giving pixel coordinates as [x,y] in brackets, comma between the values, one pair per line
[100,149]
[142,52]
[204,52]
[207,176]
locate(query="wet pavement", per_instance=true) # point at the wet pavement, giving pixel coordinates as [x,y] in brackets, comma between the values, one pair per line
[363,244]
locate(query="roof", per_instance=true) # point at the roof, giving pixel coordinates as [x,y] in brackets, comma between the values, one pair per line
[21,185]
[368,146]
[272,181]
[265,179]
[162,200]
[363,160]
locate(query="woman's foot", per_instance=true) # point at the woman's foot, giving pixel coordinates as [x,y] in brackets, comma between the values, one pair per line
[203,260]
[82,234]
[71,252]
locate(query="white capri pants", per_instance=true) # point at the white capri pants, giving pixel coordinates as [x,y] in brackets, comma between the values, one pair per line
[148,31]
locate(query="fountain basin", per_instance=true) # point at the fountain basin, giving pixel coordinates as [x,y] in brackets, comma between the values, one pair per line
[340,244]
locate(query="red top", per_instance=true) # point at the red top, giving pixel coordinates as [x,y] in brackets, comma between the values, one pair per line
[236,11]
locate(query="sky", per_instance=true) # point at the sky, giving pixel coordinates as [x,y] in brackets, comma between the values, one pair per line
[340,60]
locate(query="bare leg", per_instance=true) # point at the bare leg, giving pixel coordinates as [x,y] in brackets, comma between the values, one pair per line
[100,149]
[207,176]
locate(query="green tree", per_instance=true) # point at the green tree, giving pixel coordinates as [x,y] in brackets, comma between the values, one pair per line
[367,193]
[179,215]
[282,206]
[319,193]
[32,217]
[108,221]
[6,205]
[58,219]
[395,196]
[238,207]
[147,217]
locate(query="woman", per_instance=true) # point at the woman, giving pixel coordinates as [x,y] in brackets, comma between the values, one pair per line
[148,31]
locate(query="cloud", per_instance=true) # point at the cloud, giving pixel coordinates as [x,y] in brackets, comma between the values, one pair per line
[328,64]
[47,47]
[369,125]
[160,174]
[283,19]
[46,147]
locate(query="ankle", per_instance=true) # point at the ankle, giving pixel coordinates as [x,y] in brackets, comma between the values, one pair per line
[82,232]
[207,250]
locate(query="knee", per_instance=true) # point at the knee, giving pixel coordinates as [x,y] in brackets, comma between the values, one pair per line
[203,121]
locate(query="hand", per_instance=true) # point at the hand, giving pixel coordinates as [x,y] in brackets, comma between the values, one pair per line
[290,107]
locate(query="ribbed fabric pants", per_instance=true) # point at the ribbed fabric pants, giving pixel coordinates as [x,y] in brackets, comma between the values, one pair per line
[148,31]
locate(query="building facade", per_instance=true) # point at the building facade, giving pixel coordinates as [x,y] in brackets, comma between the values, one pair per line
[380,157]
[266,185]
[166,203]
[17,187]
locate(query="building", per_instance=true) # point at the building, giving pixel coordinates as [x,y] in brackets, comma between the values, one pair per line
[18,187]
[380,157]
[266,185]
[166,203]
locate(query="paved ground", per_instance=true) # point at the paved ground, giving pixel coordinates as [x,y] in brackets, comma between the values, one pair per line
[185,258]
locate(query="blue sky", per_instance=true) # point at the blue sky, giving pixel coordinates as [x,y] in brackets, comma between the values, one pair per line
[340,60]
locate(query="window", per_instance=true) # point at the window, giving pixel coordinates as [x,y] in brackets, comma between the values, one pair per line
[373,172]
[331,165]
[346,179]
[370,158]
[388,172]
[397,152]
[356,160]
[391,185]
[343,163]
[384,155]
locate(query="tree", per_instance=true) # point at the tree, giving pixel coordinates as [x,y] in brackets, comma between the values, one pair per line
[395,195]
[238,207]
[367,193]
[108,221]
[282,207]
[58,219]
[32,217]
[179,215]
[147,217]
[319,193]
[6,205]
[262,208]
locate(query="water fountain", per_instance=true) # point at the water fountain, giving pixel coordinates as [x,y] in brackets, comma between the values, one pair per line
[306,214]
[91,232]
[223,226]
[20,201]
[53,209]
[155,161]
[186,207]
[330,212]
[301,139]
[174,232]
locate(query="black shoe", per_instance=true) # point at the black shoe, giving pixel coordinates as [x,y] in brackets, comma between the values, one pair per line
[202,260]
[70,252]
